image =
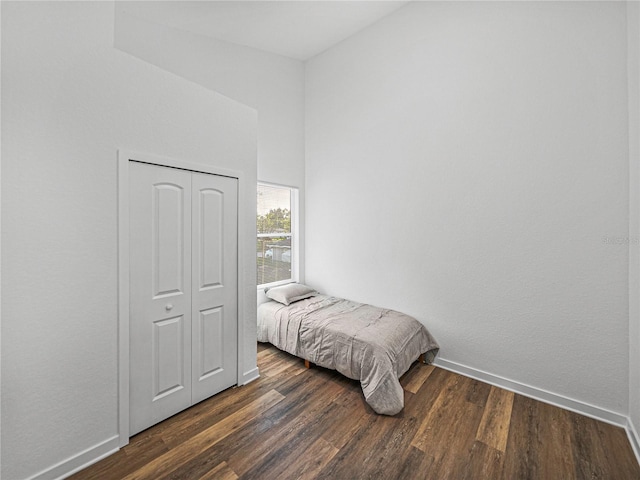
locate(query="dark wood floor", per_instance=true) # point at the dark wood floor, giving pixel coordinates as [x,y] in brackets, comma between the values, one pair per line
[295,423]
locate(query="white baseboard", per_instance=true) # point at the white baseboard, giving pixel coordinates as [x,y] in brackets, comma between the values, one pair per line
[634,439]
[250,376]
[545,396]
[79,461]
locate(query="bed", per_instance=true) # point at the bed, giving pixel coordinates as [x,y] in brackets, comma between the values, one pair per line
[370,344]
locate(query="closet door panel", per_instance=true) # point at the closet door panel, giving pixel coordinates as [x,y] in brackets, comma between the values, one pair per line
[160,293]
[215,284]
[211,331]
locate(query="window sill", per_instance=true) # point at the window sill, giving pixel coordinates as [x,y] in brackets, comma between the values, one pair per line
[275,284]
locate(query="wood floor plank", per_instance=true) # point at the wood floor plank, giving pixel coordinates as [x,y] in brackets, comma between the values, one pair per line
[344,431]
[422,373]
[451,402]
[539,443]
[352,459]
[304,415]
[493,430]
[592,458]
[588,457]
[221,472]
[204,465]
[264,352]
[251,438]
[478,393]
[522,453]
[387,451]
[445,397]
[315,423]
[483,462]
[351,396]
[620,456]
[414,466]
[460,441]
[202,415]
[391,450]
[278,367]
[388,437]
[308,467]
[302,431]
[394,453]
[171,460]
[447,432]
[133,456]
[556,449]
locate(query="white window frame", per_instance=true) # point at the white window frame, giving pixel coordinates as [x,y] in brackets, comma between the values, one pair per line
[295,236]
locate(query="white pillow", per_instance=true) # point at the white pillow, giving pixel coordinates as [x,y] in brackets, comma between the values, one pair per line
[292,292]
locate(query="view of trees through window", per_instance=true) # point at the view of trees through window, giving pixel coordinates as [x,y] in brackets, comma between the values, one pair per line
[274,234]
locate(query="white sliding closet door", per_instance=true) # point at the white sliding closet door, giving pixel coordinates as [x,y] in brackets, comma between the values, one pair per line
[183,290]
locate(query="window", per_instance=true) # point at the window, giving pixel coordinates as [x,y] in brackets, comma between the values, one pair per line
[276,245]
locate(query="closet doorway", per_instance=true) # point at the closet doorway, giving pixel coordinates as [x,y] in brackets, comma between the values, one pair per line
[183,289]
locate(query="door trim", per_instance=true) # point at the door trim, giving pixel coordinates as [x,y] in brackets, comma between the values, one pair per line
[124,159]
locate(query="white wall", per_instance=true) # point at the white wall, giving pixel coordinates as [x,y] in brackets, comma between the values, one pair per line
[0,248]
[467,164]
[272,84]
[69,102]
[633,54]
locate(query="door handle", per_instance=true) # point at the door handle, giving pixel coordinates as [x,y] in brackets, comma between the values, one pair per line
[169,307]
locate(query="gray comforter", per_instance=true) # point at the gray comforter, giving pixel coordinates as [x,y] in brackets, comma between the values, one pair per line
[363,342]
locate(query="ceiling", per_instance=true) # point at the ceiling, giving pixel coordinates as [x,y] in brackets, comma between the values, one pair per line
[297,29]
